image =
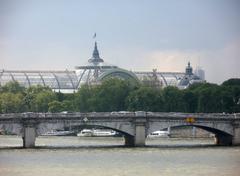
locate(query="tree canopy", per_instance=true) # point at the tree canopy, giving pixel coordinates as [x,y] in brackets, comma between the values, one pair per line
[121,95]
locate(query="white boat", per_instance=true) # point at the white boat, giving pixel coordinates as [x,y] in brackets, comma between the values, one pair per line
[58,133]
[103,133]
[159,134]
[85,133]
[96,133]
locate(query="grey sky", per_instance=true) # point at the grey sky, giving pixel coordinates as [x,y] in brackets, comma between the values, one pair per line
[133,34]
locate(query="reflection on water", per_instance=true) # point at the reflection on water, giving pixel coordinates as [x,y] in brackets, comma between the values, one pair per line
[63,156]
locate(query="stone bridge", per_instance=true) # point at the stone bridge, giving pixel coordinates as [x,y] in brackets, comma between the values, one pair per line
[135,126]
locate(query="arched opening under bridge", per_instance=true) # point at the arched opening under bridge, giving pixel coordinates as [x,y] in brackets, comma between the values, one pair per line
[84,136]
[188,135]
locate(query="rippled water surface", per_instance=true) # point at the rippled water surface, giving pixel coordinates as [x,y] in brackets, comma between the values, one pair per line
[61,156]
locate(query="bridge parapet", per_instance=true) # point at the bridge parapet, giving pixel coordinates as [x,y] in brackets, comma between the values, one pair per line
[119,114]
[195,115]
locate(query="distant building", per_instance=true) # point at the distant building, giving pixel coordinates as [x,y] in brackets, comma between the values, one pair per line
[69,81]
[200,73]
[189,78]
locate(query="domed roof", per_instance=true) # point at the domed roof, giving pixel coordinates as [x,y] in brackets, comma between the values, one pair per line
[188,78]
[118,73]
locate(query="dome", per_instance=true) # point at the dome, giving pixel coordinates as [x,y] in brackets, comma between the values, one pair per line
[118,73]
[189,78]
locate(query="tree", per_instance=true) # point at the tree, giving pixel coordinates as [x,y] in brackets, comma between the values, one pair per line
[12,103]
[231,95]
[55,106]
[68,105]
[173,99]
[31,97]
[111,95]
[13,87]
[209,100]
[42,100]
[232,82]
[82,97]
[145,99]
[190,101]
[108,96]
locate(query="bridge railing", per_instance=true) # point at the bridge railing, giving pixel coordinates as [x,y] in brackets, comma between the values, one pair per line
[137,114]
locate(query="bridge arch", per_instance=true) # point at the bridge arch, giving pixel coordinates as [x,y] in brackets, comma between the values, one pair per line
[221,137]
[127,133]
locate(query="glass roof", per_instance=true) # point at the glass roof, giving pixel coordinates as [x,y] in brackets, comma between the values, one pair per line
[96,70]
[72,80]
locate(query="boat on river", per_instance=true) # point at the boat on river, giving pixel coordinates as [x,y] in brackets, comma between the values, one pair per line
[103,133]
[59,133]
[96,133]
[85,133]
[159,134]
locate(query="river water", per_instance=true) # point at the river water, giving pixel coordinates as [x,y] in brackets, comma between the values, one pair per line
[74,156]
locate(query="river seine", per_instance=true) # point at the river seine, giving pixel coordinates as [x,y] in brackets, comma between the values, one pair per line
[76,156]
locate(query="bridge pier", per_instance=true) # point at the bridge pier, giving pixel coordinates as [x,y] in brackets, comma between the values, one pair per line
[223,140]
[129,141]
[140,129]
[236,135]
[29,137]
[140,135]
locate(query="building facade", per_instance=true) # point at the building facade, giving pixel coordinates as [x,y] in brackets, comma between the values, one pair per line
[69,81]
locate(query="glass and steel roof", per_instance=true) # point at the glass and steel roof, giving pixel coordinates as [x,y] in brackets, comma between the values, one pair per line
[57,80]
[70,81]
[95,71]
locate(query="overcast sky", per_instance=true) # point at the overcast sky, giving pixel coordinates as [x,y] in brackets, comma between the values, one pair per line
[133,34]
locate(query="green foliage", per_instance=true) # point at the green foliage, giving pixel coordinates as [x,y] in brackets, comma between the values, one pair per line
[10,102]
[119,95]
[82,99]
[42,100]
[173,99]
[145,99]
[232,82]
[209,100]
[190,101]
[12,87]
[111,95]
[108,96]
[55,106]
[35,98]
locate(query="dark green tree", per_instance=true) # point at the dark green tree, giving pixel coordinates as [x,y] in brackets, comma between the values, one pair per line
[42,100]
[12,87]
[145,99]
[11,102]
[68,105]
[55,106]
[232,82]
[81,101]
[173,99]
[190,100]
[111,95]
